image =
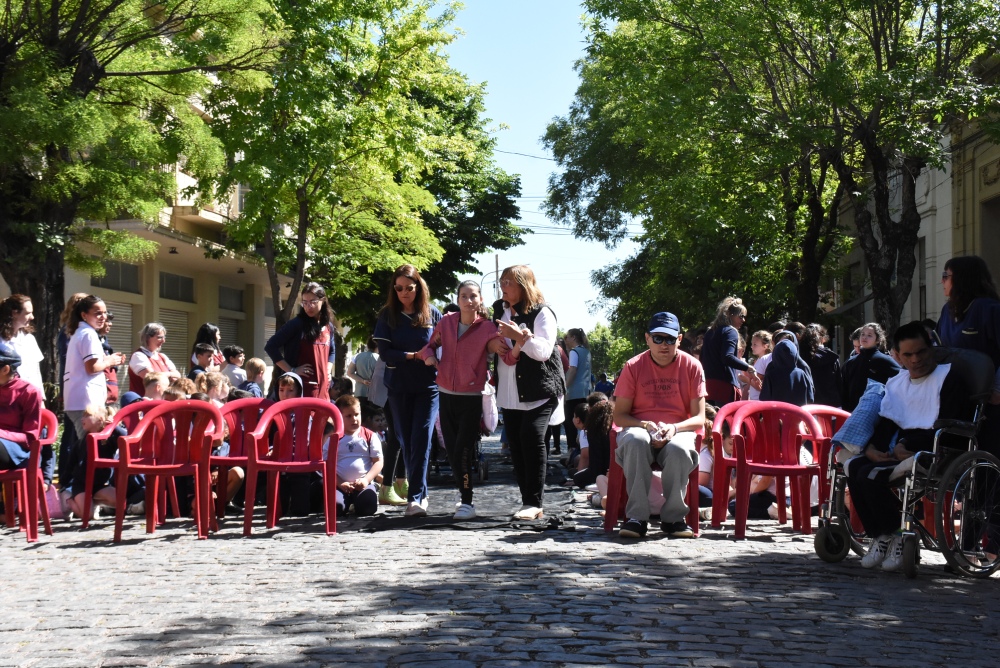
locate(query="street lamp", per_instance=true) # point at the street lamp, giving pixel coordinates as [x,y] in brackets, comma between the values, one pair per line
[496,284]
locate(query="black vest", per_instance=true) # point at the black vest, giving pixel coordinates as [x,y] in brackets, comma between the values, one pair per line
[538,380]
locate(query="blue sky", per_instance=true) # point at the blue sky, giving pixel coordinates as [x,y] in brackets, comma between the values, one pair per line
[525,52]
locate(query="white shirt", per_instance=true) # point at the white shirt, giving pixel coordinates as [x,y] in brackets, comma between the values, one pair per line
[140,361]
[355,455]
[30,370]
[539,347]
[761,366]
[82,389]
[236,375]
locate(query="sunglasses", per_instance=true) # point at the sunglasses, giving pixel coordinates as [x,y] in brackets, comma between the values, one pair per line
[110,316]
[406,288]
[659,339]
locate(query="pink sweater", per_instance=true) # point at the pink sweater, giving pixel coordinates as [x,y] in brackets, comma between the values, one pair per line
[462,367]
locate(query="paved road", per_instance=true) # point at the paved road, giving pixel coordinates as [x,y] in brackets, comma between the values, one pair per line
[492,596]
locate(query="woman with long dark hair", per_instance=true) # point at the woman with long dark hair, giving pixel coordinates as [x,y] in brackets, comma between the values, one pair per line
[531,383]
[971,319]
[719,354]
[304,345]
[404,327]
[16,316]
[210,334]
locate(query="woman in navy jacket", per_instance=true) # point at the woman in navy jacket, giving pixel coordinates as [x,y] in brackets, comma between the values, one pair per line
[304,345]
[404,327]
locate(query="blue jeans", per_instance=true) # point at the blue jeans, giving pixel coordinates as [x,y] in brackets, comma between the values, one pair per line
[414,414]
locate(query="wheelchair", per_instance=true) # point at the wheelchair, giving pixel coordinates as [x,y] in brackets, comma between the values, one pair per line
[949,496]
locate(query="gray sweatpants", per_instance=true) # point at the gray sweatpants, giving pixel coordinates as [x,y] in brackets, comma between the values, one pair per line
[677,459]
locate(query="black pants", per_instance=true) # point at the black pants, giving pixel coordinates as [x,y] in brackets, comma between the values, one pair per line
[526,437]
[460,418]
[67,453]
[394,466]
[552,434]
[872,497]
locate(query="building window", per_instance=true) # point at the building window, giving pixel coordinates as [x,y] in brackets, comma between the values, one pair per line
[230,299]
[176,287]
[118,276]
[241,196]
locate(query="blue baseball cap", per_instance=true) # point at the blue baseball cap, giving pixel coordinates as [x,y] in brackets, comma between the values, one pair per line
[9,356]
[664,323]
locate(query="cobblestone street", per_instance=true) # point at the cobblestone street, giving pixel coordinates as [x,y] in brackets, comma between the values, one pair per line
[492,595]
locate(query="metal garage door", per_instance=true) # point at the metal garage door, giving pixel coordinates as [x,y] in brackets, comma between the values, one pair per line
[230,330]
[178,345]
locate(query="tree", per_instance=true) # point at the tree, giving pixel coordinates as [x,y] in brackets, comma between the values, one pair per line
[864,90]
[608,351]
[94,102]
[366,151]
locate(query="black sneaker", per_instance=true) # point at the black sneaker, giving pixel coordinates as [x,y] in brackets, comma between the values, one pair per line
[633,529]
[676,529]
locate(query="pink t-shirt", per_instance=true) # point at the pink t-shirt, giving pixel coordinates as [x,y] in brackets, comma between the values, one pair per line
[661,394]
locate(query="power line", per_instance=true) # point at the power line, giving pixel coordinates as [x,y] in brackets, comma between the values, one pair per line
[526,155]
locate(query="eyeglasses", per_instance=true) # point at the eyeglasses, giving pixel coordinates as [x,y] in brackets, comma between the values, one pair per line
[406,288]
[741,316]
[507,282]
[110,316]
[945,276]
[311,302]
[659,339]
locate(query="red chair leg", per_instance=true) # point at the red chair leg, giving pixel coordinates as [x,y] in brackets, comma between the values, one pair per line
[88,496]
[273,483]
[43,505]
[22,503]
[156,502]
[806,506]
[220,495]
[207,514]
[31,506]
[121,487]
[198,504]
[250,494]
[779,487]
[175,503]
[330,498]
[742,501]
[692,501]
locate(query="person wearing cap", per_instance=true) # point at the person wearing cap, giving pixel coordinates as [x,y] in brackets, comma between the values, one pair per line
[20,411]
[660,407]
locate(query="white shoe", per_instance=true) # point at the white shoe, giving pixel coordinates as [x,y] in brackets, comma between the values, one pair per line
[705,514]
[465,511]
[894,555]
[424,502]
[415,509]
[528,513]
[876,552]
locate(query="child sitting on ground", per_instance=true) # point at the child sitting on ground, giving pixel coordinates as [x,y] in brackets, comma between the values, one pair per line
[254,383]
[577,455]
[596,458]
[359,461]
[96,418]
[233,368]
[236,474]
[155,385]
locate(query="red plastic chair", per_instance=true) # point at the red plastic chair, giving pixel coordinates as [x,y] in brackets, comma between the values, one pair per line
[129,418]
[174,438]
[772,449]
[723,465]
[297,447]
[30,493]
[618,494]
[241,418]
[830,419]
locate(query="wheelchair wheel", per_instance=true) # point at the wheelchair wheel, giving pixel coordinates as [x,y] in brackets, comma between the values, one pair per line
[911,555]
[832,542]
[967,514]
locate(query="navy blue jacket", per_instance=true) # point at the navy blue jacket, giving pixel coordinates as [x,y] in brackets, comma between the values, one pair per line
[401,374]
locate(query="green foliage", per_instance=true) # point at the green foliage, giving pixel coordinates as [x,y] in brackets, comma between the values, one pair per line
[609,352]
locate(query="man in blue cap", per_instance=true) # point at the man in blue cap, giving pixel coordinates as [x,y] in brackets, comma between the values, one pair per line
[20,411]
[660,406]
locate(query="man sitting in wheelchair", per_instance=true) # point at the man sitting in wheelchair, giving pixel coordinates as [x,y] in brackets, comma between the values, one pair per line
[914,400]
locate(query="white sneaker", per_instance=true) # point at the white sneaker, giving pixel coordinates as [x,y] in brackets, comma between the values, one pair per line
[465,511]
[705,514]
[528,513]
[415,509]
[877,552]
[894,555]
[424,502]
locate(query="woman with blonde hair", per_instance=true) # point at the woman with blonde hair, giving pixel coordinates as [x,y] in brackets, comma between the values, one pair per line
[404,327]
[531,383]
[719,354]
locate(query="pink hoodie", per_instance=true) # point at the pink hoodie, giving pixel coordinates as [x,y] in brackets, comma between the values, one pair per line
[462,367]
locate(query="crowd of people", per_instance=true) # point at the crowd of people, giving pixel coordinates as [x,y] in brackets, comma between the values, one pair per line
[427,377]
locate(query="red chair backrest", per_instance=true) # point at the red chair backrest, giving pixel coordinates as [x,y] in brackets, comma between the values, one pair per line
[176,432]
[830,419]
[725,415]
[242,417]
[129,417]
[300,424]
[49,424]
[767,432]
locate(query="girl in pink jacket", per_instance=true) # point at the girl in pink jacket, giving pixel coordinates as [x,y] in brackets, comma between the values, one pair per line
[465,339]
